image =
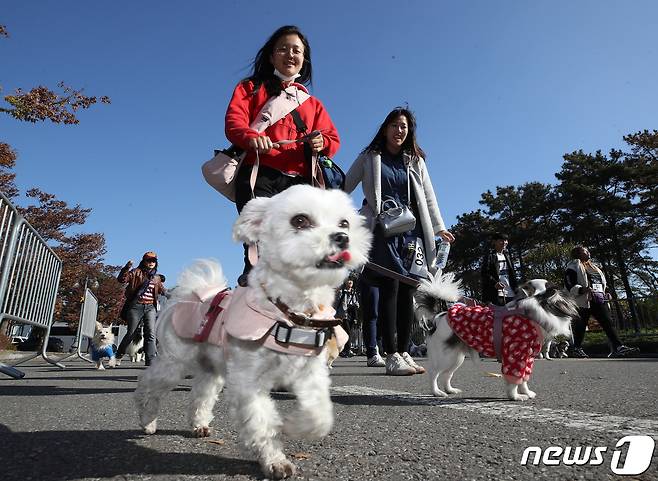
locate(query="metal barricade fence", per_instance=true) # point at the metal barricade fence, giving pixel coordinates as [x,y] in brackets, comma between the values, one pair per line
[87,324]
[29,278]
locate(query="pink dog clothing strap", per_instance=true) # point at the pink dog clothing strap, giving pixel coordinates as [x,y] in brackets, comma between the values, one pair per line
[205,327]
[501,312]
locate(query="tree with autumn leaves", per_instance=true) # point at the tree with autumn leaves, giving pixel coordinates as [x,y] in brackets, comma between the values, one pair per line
[81,253]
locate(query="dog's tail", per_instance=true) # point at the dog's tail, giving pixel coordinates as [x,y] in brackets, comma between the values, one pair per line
[202,279]
[431,297]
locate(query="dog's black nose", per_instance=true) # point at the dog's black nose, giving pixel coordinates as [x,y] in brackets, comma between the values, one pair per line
[341,239]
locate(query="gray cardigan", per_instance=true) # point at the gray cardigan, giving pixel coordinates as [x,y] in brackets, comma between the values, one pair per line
[367,170]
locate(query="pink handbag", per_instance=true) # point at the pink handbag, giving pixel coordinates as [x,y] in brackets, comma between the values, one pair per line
[221,171]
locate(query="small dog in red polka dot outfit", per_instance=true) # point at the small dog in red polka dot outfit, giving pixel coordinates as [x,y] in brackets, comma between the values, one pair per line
[513,333]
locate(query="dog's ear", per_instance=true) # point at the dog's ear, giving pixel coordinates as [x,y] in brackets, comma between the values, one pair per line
[99,326]
[248,226]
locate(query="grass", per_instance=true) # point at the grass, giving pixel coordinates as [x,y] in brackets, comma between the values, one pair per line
[647,341]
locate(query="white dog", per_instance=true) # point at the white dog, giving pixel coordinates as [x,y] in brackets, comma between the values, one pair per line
[309,239]
[512,333]
[102,347]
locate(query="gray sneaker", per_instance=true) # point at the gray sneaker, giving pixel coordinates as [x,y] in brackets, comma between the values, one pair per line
[376,361]
[397,366]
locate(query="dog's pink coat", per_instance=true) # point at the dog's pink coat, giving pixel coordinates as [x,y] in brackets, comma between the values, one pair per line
[243,319]
[521,342]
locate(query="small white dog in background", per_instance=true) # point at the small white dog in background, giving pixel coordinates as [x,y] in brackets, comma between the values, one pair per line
[135,350]
[514,333]
[309,240]
[102,347]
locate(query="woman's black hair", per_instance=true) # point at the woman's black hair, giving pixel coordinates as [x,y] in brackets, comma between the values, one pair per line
[263,70]
[410,146]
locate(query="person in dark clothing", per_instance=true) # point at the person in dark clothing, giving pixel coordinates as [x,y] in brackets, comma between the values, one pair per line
[499,280]
[586,282]
[347,307]
[144,287]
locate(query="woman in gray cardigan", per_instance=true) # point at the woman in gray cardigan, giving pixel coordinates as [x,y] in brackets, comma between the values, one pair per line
[391,167]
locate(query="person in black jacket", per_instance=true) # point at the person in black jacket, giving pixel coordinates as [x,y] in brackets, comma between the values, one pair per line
[498,276]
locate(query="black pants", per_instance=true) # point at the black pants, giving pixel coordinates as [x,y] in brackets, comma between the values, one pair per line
[370,304]
[600,312]
[396,312]
[269,182]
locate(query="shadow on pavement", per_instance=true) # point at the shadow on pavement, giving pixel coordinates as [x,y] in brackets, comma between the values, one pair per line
[63,455]
[16,389]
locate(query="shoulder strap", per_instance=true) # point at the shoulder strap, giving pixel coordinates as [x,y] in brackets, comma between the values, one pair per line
[276,108]
[299,122]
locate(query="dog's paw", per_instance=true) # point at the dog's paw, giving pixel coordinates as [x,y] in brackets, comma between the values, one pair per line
[279,469]
[453,390]
[202,431]
[151,427]
[519,397]
[530,394]
[100,367]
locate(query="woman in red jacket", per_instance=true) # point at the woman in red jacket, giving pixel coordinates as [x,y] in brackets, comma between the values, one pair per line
[282,67]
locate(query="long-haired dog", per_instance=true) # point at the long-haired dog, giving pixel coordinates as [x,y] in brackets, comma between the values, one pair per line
[512,333]
[102,346]
[308,241]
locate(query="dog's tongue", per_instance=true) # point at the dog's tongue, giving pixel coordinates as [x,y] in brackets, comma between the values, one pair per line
[344,256]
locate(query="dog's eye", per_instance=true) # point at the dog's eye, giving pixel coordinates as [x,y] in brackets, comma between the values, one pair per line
[343,224]
[300,221]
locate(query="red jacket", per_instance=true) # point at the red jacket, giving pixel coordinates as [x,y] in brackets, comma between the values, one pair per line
[289,158]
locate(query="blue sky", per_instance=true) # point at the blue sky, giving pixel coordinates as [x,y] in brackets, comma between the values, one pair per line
[501,90]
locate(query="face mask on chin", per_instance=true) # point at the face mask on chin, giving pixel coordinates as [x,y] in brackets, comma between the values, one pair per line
[284,78]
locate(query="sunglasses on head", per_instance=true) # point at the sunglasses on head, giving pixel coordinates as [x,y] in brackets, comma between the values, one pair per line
[150,260]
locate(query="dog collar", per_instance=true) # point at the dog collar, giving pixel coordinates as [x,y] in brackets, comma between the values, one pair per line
[304,320]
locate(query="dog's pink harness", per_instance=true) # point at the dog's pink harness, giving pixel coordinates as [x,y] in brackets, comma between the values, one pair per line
[240,315]
[521,339]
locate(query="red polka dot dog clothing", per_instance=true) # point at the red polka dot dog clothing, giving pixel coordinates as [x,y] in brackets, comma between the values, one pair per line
[521,338]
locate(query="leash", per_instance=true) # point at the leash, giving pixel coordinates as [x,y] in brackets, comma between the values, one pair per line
[392,274]
[303,320]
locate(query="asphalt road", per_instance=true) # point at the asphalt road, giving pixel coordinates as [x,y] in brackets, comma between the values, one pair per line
[80,423]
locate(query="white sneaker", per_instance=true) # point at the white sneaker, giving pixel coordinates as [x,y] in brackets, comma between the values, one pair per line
[376,361]
[397,366]
[410,360]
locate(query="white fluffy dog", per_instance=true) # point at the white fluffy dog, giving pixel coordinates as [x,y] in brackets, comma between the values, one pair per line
[513,333]
[102,347]
[309,239]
